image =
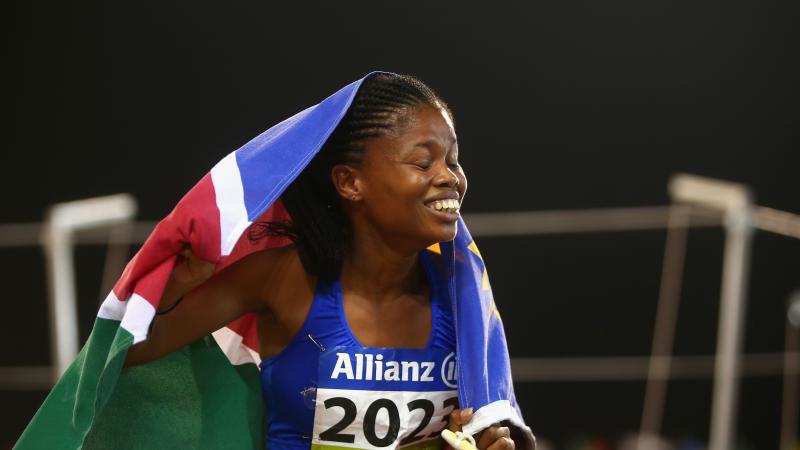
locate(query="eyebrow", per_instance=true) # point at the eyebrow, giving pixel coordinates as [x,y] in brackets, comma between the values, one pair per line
[431,142]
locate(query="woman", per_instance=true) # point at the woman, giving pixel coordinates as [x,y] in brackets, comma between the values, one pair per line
[386,185]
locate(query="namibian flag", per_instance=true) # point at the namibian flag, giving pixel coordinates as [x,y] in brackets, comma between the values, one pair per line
[207,395]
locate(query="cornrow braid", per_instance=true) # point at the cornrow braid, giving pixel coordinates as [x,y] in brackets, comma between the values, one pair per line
[319,225]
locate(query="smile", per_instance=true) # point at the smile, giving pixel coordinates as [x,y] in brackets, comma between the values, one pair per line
[446,206]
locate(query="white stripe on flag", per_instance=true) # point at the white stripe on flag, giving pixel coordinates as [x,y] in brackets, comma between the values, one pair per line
[112,308]
[231,344]
[137,317]
[230,201]
[493,413]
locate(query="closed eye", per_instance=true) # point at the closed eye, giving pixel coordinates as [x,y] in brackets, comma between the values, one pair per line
[424,165]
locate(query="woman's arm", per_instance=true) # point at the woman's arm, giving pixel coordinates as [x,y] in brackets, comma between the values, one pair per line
[195,303]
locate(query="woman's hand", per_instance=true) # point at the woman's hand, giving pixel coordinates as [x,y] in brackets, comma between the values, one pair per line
[190,271]
[495,438]
[492,438]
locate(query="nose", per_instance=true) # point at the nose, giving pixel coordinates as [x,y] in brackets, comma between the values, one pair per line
[446,177]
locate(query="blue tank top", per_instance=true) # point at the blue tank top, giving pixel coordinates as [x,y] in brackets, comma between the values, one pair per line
[326,389]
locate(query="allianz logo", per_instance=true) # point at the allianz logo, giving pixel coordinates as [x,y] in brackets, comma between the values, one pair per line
[368,366]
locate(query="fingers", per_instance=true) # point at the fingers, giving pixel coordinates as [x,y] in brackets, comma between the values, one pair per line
[190,270]
[458,418]
[486,437]
[503,443]
[194,261]
[495,438]
[185,255]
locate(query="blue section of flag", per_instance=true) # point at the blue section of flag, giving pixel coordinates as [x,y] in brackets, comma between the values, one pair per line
[484,364]
[387,369]
[291,144]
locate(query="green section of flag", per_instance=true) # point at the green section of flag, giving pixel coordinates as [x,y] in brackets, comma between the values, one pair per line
[68,411]
[192,398]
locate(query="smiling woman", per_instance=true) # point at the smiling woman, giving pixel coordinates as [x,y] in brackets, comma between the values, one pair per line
[394,150]
[373,198]
[355,310]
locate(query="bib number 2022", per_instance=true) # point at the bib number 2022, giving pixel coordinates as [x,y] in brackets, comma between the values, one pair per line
[335,434]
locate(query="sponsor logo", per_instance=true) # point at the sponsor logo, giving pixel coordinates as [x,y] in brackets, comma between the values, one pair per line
[373,367]
[449,372]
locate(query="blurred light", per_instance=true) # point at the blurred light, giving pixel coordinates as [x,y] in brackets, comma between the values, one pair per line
[793,314]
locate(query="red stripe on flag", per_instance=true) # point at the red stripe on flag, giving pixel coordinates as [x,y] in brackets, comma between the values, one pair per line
[246,326]
[194,221]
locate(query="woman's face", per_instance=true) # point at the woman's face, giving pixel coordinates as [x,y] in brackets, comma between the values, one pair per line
[411,185]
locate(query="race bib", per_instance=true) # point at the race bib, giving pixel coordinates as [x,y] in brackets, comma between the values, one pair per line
[383,398]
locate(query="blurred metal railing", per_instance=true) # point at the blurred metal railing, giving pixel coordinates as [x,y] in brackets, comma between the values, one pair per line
[697,202]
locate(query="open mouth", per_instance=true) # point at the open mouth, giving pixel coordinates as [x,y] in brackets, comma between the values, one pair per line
[450,206]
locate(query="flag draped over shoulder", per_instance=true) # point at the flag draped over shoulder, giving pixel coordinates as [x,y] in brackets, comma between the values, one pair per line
[207,394]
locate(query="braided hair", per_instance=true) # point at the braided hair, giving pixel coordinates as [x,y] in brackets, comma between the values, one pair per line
[319,226]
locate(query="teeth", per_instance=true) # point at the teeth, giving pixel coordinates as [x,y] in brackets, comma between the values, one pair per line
[449,205]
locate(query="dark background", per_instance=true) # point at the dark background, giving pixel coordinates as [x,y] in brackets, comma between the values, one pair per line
[558,105]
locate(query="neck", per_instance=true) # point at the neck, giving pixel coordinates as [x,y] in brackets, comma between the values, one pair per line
[379,272]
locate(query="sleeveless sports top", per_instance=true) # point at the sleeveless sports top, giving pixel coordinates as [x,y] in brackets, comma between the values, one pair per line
[326,390]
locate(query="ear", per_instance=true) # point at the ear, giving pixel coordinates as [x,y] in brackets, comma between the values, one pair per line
[347,181]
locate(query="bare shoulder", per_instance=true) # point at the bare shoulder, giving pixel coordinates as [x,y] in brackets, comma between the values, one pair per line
[279,276]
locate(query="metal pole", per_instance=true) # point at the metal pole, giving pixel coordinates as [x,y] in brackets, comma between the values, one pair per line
[669,295]
[735,200]
[63,220]
[730,332]
[791,367]
[62,306]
